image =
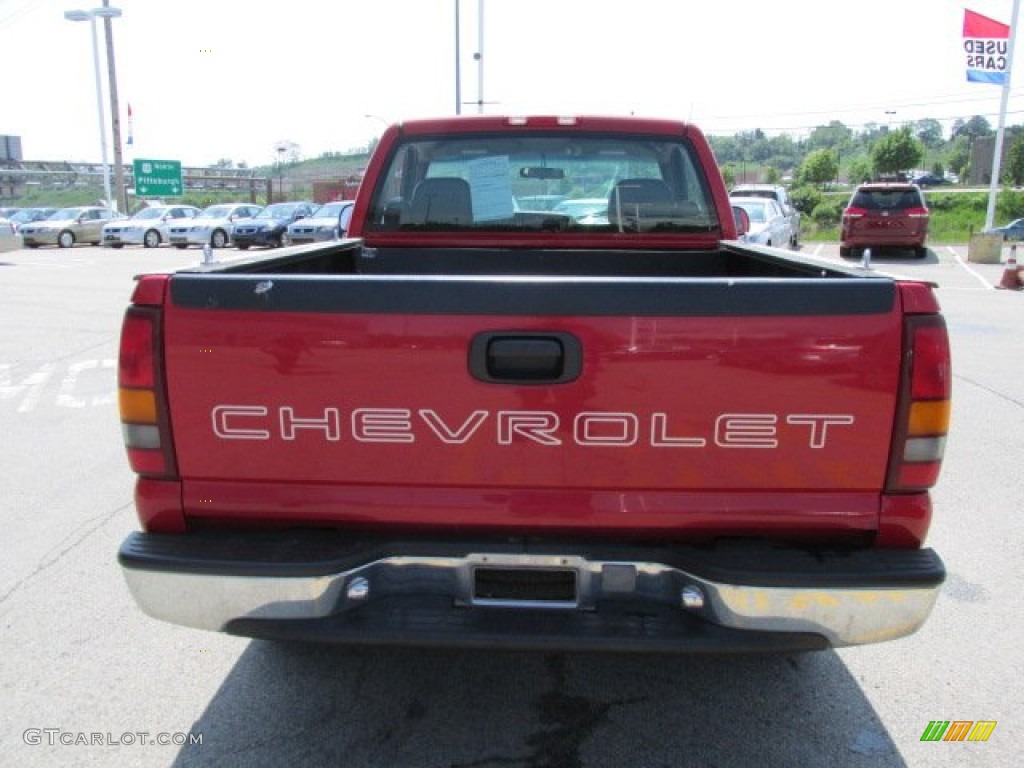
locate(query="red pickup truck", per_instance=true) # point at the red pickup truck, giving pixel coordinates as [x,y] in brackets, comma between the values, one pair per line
[540,398]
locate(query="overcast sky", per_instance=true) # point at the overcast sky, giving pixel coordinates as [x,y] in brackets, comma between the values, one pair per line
[232,79]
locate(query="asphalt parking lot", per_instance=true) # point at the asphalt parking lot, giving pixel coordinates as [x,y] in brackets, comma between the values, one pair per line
[946,265]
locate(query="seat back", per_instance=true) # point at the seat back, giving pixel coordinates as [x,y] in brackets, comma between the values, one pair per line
[635,202]
[440,201]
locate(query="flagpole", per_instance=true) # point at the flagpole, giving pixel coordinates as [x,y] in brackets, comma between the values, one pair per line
[997,154]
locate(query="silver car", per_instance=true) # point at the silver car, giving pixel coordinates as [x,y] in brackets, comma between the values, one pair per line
[82,224]
[212,225]
[328,222]
[768,224]
[28,215]
[148,227]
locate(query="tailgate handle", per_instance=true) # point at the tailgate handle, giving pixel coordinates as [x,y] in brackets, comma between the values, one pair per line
[508,357]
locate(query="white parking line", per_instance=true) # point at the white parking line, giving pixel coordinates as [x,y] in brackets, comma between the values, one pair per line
[970,270]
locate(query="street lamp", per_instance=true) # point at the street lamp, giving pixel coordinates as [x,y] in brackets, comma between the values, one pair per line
[281,149]
[91,16]
[107,14]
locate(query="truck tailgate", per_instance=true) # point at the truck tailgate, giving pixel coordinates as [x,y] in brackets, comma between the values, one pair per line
[653,404]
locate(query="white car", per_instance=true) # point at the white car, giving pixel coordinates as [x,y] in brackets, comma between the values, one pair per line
[768,224]
[149,227]
[328,222]
[212,225]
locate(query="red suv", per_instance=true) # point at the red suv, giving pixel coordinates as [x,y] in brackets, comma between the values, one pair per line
[884,215]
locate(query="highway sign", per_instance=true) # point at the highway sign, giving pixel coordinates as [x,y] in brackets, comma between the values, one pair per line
[158,178]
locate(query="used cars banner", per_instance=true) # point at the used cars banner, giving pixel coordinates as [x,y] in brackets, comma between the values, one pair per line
[986,44]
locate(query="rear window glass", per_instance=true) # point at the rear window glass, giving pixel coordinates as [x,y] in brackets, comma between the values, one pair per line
[887,199]
[543,182]
[767,193]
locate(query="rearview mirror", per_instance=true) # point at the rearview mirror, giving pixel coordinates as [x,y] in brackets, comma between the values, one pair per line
[541,172]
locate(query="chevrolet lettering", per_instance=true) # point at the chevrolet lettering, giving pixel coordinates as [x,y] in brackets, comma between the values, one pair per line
[402,425]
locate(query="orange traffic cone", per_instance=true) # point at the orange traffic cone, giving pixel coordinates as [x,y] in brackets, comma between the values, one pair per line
[1011,274]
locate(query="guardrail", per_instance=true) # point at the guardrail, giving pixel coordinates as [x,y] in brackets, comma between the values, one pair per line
[17,175]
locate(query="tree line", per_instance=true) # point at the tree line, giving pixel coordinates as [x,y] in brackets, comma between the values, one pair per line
[837,153]
[834,153]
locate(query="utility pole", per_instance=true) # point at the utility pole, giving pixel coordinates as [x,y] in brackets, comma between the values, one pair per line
[458,57]
[480,58]
[121,201]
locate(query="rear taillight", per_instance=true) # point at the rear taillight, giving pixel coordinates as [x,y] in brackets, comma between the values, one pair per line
[854,213]
[917,213]
[141,398]
[923,412]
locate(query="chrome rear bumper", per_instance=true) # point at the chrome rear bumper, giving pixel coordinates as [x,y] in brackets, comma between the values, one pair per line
[864,597]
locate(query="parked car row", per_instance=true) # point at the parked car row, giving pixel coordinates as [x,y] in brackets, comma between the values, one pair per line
[219,225]
[243,225]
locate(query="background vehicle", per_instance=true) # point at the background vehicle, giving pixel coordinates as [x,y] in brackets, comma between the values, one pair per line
[28,215]
[69,226]
[471,423]
[328,222]
[884,215]
[148,227]
[780,195]
[768,224]
[9,240]
[269,226]
[929,180]
[1014,231]
[211,226]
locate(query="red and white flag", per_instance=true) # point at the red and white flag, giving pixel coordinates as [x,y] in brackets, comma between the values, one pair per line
[986,46]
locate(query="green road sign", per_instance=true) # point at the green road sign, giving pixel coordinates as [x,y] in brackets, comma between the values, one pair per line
[158,178]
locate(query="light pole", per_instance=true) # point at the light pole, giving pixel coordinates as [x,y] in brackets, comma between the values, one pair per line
[479,56]
[281,149]
[458,58]
[107,14]
[90,16]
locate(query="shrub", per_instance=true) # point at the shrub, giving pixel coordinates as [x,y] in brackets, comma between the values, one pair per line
[1010,204]
[805,198]
[826,214]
